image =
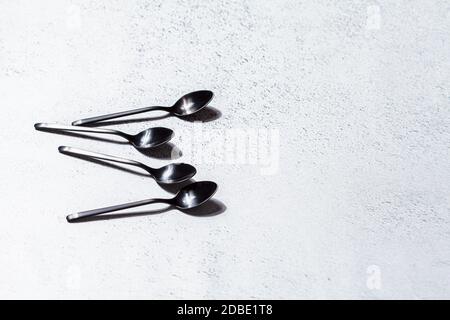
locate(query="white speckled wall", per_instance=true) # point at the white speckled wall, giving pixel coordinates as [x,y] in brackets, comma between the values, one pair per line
[357,206]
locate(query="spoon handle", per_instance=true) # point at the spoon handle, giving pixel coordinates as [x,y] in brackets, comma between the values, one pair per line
[95,212]
[95,155]
[118,115]
[57,127]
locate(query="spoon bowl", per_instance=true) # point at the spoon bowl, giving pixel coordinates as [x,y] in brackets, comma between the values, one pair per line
[192,103]
[194,194]
[151,138]
[174,173]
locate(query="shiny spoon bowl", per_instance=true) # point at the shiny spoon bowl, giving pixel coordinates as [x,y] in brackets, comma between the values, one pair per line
[144,140]
[188,104]
[190,196]
[171,173]
[191,103]
[194,195]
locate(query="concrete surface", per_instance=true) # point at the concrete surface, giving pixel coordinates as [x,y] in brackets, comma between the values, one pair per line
[353,95]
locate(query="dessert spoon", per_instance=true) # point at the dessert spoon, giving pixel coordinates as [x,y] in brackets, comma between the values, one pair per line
[188,197]
[146,139]
[171,173]
[186,105]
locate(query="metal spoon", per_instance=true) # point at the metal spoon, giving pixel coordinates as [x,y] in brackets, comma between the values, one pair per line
[146,139]
[186,105]
[188,197]
[172,173]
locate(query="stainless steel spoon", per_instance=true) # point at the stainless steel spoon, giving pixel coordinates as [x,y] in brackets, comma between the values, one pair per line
[188,197]
[171,173]
[186,105]
[146,139]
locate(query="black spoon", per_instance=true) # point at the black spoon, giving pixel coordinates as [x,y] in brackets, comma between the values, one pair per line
[186,105]
[146,139]
[188,197]
[171,173]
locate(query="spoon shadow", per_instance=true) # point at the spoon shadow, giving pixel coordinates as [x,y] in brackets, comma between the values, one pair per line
[167,151]
[207,114]
[175,187]
[81,135]
[210,208]
[117,122]
[105,163]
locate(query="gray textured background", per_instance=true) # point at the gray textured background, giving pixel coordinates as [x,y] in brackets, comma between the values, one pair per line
[359,91]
